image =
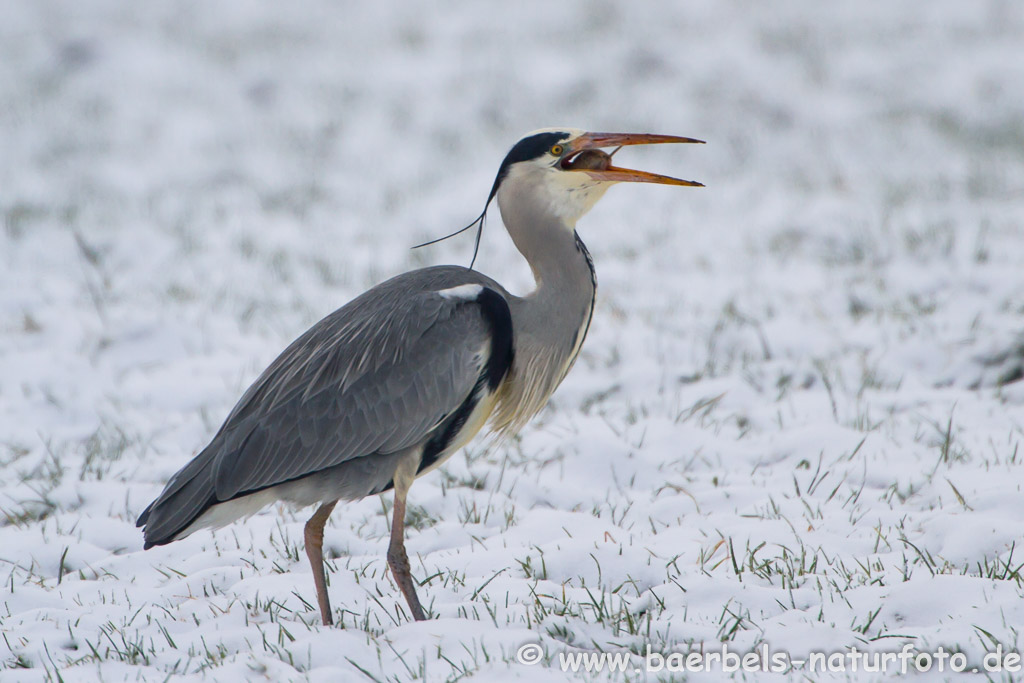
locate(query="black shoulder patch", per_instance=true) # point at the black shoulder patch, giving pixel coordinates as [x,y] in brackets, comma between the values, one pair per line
[528,148]
[499,319]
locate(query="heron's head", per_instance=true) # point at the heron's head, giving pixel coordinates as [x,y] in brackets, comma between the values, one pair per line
[564,171]
[561,173]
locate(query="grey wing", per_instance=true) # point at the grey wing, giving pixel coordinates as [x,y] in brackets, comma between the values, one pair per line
[377,376]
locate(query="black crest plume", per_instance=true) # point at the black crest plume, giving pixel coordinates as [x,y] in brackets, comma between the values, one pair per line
[528,148]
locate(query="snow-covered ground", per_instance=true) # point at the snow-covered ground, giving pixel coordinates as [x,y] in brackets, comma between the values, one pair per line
[797,420]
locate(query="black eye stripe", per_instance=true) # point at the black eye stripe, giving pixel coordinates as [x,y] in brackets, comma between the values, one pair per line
[528,148]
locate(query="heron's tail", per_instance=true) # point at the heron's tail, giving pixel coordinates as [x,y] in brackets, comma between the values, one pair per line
[186,497]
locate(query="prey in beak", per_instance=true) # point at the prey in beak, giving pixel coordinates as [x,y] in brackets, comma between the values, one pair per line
[584,155]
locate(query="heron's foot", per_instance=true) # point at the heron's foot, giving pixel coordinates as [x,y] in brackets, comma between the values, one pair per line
[398,561]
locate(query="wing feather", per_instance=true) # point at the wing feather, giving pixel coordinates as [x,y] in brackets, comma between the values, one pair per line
[375,377]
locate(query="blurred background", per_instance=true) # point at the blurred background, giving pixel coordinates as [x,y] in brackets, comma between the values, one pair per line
[186,186]
[178,179]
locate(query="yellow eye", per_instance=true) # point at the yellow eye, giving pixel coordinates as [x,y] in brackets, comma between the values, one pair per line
[557,150]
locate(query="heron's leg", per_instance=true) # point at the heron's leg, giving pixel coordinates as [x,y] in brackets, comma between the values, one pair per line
[315,551]
[398,560]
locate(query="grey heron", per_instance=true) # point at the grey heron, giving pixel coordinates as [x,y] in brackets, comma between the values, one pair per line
[387,387]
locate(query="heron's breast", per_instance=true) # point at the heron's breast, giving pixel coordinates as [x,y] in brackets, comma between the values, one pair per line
[581,335]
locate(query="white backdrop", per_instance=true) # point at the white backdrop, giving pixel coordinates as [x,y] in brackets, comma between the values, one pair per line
[789,425]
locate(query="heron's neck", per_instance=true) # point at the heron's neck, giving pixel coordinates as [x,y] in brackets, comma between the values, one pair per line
[549,323]
[563,271]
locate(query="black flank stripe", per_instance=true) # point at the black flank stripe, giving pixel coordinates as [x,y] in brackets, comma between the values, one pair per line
[446,435]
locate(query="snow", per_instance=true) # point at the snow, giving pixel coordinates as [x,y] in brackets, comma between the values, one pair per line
[796,421]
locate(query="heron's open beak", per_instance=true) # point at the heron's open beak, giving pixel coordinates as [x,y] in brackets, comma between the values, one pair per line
[611,173]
